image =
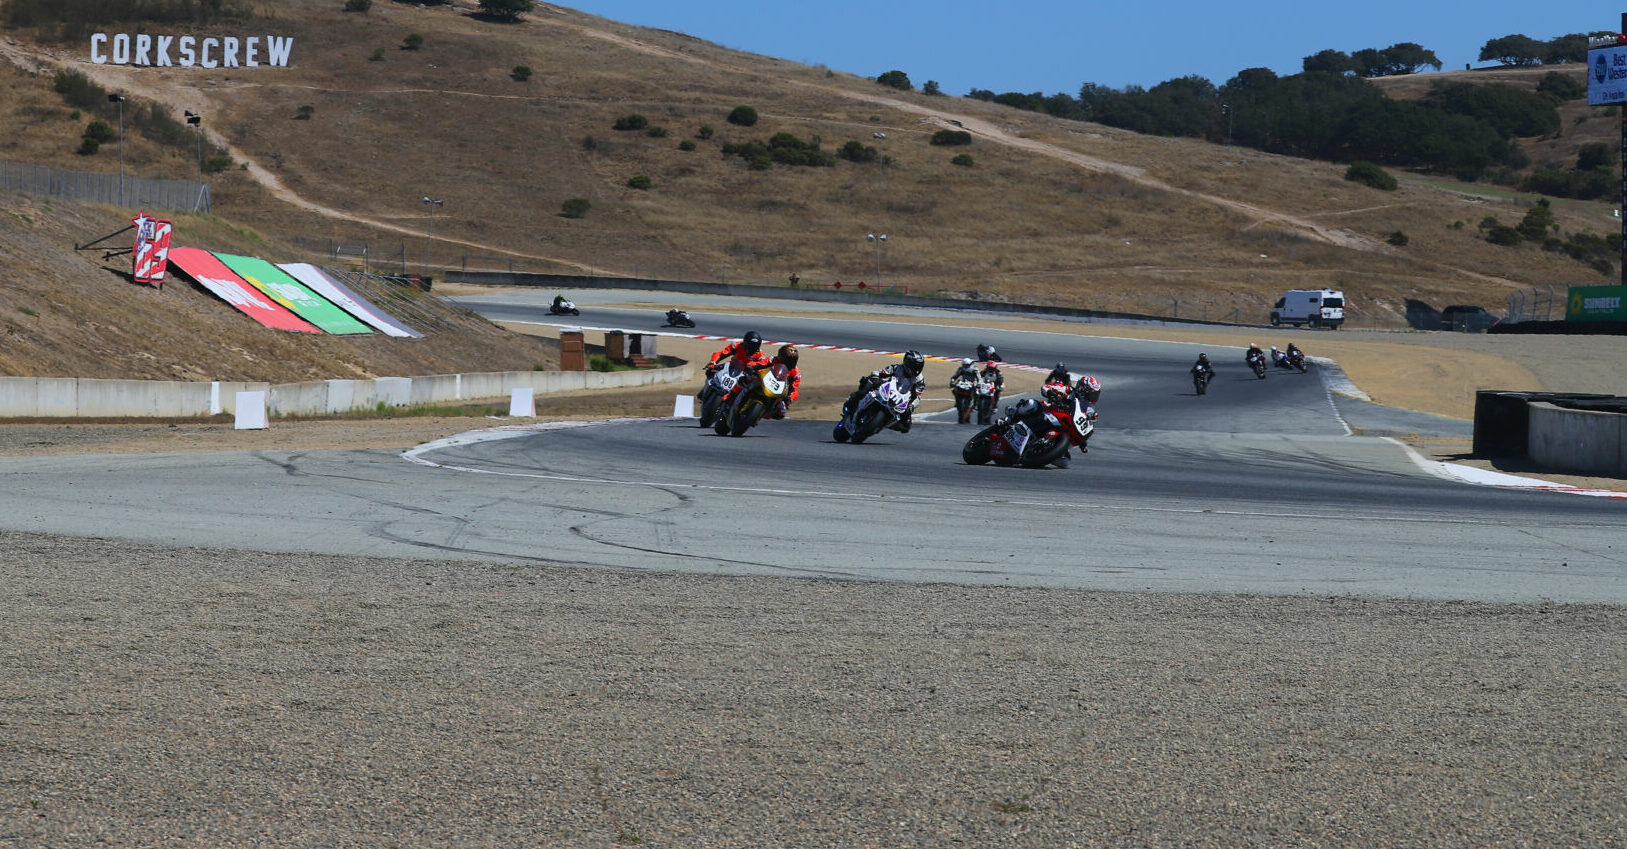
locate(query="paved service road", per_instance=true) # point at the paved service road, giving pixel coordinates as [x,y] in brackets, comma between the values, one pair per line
[1256,487]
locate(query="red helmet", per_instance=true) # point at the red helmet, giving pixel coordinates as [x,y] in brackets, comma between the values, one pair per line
[1089,388]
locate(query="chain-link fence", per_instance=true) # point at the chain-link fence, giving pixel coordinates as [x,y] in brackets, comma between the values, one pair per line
[110,189]
[1540,303]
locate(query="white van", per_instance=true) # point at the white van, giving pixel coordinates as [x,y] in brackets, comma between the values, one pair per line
[1316,307]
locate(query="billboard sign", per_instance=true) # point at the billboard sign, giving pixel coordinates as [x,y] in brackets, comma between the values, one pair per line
[1607,75]
[1596,303]
[189,51]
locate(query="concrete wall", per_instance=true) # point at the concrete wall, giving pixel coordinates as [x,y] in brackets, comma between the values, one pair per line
[67,397]
[1581,441]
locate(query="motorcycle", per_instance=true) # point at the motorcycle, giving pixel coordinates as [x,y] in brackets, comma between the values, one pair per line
[987,399]
[882,406]
[1257,362]
[1290,361]
[679,318]
[759,393]
[563,308]
[1033,434]
[965,389]
[1200,380]
[719,382]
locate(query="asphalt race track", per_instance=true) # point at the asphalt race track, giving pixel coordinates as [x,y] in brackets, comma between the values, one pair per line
[1256,487]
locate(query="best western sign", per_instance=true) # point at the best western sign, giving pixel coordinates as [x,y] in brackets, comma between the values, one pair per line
[186,51]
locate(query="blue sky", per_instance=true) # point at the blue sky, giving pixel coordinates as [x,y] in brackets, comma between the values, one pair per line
[1053,46]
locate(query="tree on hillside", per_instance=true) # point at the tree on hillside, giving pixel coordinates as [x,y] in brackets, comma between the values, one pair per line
[1328,62]
[896,79]
[506,9]
[1516,50]
[1408,58]
[1566,48]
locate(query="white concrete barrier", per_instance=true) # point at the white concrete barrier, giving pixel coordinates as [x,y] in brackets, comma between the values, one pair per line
[70,397]
[1582,441]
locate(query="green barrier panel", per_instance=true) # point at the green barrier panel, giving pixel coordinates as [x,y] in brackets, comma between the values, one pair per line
[1596,303]
[285,290]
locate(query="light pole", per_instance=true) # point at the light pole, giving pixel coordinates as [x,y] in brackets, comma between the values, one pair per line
[196,120]
[879,240]
[1226,109]
[119,99]
[431,203]
[881,158]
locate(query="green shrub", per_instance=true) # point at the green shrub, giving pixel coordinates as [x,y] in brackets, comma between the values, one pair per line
[896,79]
[656,132]
[217,164]
[931,88]
[951,137]
[686,144]
[575,207]
[963,159]
[1561,87]
[378,55]
[704,133]
[358,5]
[413,41]
[305,113]
[1370,174]
[521,73]
[1502,234]
[78,91]
[855,151]
[639,181]
[784,148]
[1398,238]
[631,122]
[743,116]
[98,131]
[88,146]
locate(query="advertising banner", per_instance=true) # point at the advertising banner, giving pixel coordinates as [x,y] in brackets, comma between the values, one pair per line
[1596,303]
[1607,75]
[201,265]
[285,290]
[324,284]
[151,254]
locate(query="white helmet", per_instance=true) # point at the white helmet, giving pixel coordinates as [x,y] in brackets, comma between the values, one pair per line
[966,361]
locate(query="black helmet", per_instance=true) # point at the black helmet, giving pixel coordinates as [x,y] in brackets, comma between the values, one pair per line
[914,363]
[752,342]
[788,355]
[1203,357]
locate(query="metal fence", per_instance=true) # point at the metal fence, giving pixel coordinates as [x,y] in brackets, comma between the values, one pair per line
[111,189]
[1537,304]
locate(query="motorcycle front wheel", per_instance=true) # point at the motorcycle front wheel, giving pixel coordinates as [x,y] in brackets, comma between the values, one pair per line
[1043,451]
[976,452]
[709,410]
[1200,385]
[870,423]
[745,417]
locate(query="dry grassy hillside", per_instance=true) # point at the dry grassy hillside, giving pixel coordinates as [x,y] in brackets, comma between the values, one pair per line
[1051,211]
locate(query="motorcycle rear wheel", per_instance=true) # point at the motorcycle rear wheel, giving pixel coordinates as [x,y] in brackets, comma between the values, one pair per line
[976,452]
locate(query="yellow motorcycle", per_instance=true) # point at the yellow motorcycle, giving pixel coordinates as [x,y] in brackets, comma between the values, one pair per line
[758,393]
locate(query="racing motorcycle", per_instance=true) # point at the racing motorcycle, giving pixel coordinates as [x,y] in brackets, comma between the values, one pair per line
[1293,361]
[988,397]
[679,318]
[882,406]
[1033,434]
[965,389]
[720,380]
[1296,359]
[1256,362]
[760,391]
[563,308]
[1200,380]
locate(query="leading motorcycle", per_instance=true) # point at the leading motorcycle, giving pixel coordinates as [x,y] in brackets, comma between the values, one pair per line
[720,381]
[1033,434]
[759,391]
[882,406]
[1200,379]
[563,308]
[679,318]
[1256,361]
[965,389]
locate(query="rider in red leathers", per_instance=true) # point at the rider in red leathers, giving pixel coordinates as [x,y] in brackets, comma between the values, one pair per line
[787,355]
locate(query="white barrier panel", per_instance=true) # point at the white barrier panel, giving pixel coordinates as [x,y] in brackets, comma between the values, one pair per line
[522,402]
[683,407]
[251,411]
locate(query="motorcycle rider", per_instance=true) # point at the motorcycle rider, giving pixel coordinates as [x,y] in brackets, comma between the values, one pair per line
[1278,358]
[1252,354]
[1295,355]
[1057,384]
[788,356]
[1088,390]
[1203,366]
[559,303]
[986,353]
[909,373]
[749,350]
[967,371]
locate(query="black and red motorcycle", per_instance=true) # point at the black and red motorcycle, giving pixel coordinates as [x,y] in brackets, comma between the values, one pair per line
[1033,434]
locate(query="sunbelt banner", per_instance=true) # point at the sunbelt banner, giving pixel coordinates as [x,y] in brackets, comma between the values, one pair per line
[1596,303]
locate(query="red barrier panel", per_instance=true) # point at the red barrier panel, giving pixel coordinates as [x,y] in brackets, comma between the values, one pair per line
[202,266]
